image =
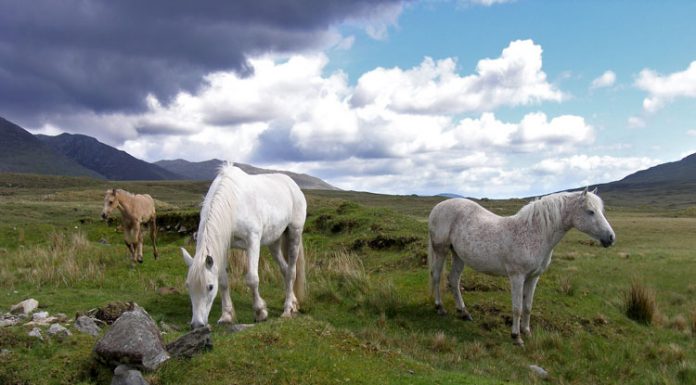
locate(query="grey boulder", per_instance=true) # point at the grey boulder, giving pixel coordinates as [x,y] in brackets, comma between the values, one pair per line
[133,340]
[86,325]
[196,341]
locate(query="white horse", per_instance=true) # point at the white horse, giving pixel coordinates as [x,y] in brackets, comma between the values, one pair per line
[519,246]
[247,211]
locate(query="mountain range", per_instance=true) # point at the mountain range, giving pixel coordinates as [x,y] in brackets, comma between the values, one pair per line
[82,155]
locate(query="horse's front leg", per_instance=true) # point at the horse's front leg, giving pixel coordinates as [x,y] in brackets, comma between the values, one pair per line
[252,279]
[516,287]
[228,315]
[529,287]
[293,239]
[139,242]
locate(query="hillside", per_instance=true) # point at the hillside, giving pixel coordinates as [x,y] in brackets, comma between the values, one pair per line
[112,163]
[208,169]
[21,152]
[669,185]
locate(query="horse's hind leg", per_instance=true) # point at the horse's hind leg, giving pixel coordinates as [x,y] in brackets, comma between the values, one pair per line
[290,241]
[131,252]
[275,249]
[436,258]
[529,288]
[252,279]
[453,283]
[139,244]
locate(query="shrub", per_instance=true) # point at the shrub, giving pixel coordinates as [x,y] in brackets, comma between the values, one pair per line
[640,304]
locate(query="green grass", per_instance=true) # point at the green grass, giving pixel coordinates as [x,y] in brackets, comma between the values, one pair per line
[368,317]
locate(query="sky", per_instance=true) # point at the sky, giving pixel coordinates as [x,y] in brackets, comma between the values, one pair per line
[483,98]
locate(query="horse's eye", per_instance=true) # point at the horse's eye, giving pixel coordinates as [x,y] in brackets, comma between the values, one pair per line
[210,287]
[590,212]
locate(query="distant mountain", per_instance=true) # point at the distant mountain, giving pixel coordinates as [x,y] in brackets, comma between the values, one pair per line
[22,152]
[110,162]
[208,170]
[670,184]
[449,195]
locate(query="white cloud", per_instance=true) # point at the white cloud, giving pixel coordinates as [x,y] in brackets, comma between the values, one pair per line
[607,79]
[662,89]
[635,122]
[289,114]
[588,169]
[691,132]
[486,3]
[434,87]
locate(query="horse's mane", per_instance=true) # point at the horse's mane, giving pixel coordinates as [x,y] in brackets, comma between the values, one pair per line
[545,212]
[216,217]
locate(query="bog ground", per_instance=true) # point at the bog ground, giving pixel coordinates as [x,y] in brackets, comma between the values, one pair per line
[369,317]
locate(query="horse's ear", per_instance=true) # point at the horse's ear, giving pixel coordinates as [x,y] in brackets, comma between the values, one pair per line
[187,257]
[113,192]
[208,261]
[584,192]
[594,191]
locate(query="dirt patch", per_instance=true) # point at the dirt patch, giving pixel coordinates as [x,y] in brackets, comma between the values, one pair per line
[382,242]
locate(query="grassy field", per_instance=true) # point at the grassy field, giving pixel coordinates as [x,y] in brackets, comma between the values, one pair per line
[369,317]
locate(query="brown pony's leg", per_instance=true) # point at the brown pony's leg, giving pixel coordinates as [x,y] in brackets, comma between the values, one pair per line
[131,251]
[153,235]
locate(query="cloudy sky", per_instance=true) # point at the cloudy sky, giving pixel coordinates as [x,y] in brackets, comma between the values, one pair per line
[485,98]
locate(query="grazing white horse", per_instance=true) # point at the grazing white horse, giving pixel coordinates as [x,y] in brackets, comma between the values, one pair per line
[518,246]
[246,211]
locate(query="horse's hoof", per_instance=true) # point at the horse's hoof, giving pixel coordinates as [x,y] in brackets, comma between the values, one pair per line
[527,332]
[140,261]
[517,340]
[225,321]
[440,310]
[261,315]
[464,315]
[287,314]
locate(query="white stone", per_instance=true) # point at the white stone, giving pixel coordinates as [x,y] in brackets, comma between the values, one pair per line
[58,330]
[36,332]
[539,371]
[25,307]
[39,316]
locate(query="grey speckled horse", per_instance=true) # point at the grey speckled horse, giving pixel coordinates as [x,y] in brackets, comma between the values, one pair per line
[518,246]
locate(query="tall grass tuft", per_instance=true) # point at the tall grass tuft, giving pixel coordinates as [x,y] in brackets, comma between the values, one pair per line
[69,259]
[640,304]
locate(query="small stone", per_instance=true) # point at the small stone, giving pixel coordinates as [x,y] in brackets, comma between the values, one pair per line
[39,316]
[59,331]
[8,320]
[87,325]
[61,317]
[167,291]
[196,341]
[539,371]
[25,307]
[236,328]
[125,375]
[36,332]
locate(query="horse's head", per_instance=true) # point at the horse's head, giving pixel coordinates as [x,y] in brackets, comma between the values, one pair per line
[588,217]
[110,203]
[202,284]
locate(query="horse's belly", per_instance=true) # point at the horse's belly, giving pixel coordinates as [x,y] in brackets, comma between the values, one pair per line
[487,266]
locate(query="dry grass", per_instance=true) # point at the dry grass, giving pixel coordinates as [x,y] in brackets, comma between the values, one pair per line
[566,286]
[679,323]
[67,260]
[441,343]
[640,304]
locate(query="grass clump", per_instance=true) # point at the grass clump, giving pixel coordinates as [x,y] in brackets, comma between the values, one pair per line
[640,304]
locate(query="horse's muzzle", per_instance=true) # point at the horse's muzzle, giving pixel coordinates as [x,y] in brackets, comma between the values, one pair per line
[608,241]
[103,216]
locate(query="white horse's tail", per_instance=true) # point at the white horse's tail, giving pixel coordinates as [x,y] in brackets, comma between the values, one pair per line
[430,265]
[435,266]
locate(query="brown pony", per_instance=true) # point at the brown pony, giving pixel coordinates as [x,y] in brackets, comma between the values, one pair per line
[136,209]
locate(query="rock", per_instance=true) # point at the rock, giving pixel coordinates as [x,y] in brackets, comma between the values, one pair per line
[239,327]
[39,316]
[196,341]
[125,375]
[133,339]
[61,317]
[113,310]
[539,371]
[59,331]
[36,332]
[25,307]
[87,325]
[5,352]
[8,320]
